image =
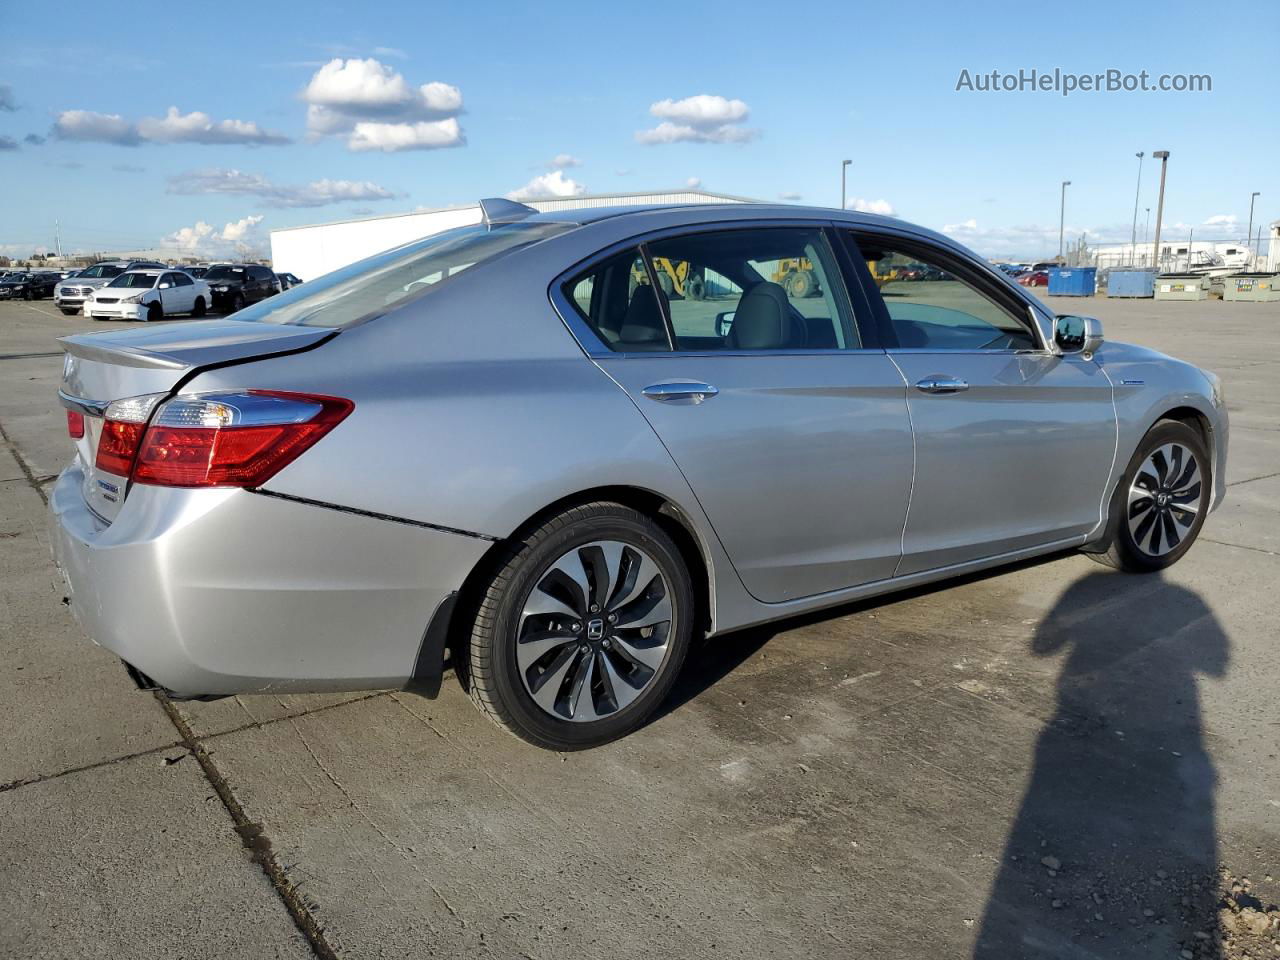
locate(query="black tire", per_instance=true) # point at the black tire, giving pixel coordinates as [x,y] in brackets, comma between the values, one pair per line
[496,684]
[68,313]
[237,303]
[800,285]
[198,308]
[155,313]
[29,295]
[695,288]
[667,284]
[1131,550]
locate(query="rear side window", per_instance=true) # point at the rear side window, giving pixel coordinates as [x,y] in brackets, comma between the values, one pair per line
[617,301]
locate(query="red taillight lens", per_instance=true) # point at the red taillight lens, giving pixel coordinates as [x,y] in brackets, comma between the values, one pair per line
[117,446]
[75,424]
[233,440]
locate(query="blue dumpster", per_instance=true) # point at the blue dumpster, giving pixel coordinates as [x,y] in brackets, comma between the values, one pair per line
[1072,281]
[1131,283]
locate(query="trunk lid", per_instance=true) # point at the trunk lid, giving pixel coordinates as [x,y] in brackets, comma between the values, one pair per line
[102,367]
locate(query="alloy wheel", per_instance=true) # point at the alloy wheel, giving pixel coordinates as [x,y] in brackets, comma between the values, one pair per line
[1164,499]
[594,631]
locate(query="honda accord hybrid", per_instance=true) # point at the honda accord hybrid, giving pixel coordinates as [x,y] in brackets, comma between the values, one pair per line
[551,449]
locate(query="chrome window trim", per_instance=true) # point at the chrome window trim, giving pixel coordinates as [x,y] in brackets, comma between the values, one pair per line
[591,344]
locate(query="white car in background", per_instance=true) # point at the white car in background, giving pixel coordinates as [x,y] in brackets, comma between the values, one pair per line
[148,295]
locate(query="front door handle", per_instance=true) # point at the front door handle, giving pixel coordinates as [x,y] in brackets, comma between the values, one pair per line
[940,384]
[680,392]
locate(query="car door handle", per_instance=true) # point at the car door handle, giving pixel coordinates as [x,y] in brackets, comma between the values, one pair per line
[686,392]
[938,384]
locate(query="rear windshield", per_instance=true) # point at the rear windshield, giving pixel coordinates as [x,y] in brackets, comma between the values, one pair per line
[225,273]
[370,287]
[147,280]
[101,270]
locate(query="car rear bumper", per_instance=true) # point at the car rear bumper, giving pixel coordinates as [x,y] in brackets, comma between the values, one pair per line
[224,591]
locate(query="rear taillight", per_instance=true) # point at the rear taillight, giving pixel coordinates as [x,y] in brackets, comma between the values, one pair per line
[75,424]
[232,439]
[122,430]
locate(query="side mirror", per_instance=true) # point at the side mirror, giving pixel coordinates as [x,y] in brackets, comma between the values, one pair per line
[165,286]
[1081,335]
[724,323]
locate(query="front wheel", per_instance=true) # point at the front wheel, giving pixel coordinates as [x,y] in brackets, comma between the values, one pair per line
[197,309]
[1161,501]
[583,628]
[155,312]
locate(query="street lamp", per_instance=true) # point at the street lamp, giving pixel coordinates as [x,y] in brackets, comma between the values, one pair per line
[1062,217]
[1249,236]
[844,165]
[1133,239]
[1163,157]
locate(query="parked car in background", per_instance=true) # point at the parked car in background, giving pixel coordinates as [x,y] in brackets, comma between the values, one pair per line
[287,280]
[1034,278]
[28,286]
[1045,265]
[70,294]
[235,286]
[148,294]
[195,272]
[332,487]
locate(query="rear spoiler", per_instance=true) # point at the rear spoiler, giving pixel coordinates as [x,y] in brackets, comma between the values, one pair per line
[209,342]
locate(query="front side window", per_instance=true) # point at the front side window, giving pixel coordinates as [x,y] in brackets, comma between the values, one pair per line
[931,307]
[134,280]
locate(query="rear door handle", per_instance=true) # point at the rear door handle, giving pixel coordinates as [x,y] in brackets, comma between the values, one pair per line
[939,384]
[680,392]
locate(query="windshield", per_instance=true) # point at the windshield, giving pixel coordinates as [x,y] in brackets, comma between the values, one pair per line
[147,280]
[102,270]
[369,287]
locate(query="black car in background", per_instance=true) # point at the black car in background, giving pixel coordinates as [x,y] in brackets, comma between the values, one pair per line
[234,286]
[287,280]
[28,286]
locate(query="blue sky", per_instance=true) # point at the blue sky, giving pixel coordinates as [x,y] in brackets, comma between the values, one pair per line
[312,112]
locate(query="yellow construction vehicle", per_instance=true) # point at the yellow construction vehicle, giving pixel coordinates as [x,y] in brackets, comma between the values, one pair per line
[796,276]
[675,277]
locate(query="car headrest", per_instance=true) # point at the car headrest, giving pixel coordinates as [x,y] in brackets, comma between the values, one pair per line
[762,320]
[642,324]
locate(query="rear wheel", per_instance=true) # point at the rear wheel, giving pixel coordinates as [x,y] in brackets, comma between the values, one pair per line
[582,629]
[155,312]
[1161,501]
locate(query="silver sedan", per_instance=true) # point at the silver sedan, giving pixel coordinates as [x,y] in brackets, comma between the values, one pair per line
[551,449]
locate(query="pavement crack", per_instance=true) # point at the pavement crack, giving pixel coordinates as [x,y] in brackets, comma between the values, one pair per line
[1265,476]
[253,836]
[1241,546]
[46,777]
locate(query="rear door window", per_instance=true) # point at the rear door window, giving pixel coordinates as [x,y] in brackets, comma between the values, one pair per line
[619,304]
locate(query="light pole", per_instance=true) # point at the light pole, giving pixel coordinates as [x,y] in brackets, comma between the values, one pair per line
[1133,239]
[1062,216]
[1252,197]
[1163,157]
[844,165]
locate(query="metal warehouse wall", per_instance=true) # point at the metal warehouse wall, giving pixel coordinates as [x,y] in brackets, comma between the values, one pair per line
[310,252]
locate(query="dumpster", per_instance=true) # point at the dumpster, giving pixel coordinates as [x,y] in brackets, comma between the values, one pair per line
[1131,283]
[1182,286]
[1251,286]
[1072,281]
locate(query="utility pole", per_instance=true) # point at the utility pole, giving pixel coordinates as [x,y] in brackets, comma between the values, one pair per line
[57,234]
[1062,216]
[844,165]
[1249,236]
[1163,157]
[1133,239]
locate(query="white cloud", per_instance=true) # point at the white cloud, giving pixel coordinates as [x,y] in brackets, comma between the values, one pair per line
[967,226]
[790,196]
[553,184]
[379,109]
[99,127]
[390,137]
[562,161]
[704,118]
[239,238]
[317,193]
[198,127]
[173,127]
[693,183]
[881,206]
[1221,219]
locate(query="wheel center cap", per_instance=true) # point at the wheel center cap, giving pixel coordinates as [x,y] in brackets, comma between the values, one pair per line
[595,629]
[1162,499]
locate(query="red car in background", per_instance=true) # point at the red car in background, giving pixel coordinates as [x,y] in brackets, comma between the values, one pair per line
[1037,278]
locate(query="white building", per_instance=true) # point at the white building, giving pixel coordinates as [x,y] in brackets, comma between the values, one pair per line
[1177,254]
[309,252]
